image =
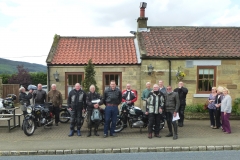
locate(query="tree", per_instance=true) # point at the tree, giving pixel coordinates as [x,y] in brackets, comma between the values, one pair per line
[38,77]
[89,76]
[5,77]
[21,78]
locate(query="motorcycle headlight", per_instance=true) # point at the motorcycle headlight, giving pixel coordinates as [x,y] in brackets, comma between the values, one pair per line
[10,104]
[29,110]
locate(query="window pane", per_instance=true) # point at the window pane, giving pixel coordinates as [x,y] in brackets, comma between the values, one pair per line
[206,71]
[70,80]
[205,79]
[107,82]
[116,79]
[74,79]
[211,71]
[112,77]
[200,71]
[79,78]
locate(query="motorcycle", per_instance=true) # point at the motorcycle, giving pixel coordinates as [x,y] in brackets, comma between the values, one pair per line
[36,116]
[65,115]
[136,118]
[119,123]
[8,103]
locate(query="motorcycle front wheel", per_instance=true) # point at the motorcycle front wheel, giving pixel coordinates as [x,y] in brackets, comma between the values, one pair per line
[29,127]
[119,125]
[64,116]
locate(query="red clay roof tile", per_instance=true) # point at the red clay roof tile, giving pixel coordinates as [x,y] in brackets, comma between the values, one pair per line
[102,50]
[191,42]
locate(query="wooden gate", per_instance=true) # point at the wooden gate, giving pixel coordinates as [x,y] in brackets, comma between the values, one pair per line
[11,89]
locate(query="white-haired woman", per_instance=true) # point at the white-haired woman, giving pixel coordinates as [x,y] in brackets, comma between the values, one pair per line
[24,97]
[226,109]
[92,95]
[218,101]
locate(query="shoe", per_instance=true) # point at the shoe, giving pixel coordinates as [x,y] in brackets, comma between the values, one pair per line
[215,127]
[175,137]
[180,124]
[211,126]
[150,135]
[169,135]
[113,135]
[78,133]
[71,133]
[89,134]
[56,124]
[105,136]
[96,134]
[157,135]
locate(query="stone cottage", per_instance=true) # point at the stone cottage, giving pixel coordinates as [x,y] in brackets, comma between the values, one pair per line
[209,56]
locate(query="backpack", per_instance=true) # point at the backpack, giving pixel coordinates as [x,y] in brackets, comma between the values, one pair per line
[96,115]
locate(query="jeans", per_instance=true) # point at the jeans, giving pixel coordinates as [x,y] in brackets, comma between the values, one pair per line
[212,115]
[111,113]
[56,111]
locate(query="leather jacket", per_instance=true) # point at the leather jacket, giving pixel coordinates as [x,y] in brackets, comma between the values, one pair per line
[112,96]
[93,96]
[77,99]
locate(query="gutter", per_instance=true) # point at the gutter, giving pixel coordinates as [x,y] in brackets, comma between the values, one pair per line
[48,77]
[170,74]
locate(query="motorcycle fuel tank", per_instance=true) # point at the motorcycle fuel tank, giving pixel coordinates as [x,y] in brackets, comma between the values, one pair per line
[135,111]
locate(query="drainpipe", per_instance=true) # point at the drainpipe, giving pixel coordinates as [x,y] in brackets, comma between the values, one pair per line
[170,75]
[48,77]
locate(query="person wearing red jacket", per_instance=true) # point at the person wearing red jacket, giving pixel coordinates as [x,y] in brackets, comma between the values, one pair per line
[129,96]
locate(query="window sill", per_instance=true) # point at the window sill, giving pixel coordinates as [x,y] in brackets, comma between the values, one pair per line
[200,95]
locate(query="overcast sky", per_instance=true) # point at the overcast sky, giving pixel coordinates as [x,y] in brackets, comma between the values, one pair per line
[27,27]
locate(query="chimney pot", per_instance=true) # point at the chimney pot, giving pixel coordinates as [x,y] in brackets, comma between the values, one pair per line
[143,5]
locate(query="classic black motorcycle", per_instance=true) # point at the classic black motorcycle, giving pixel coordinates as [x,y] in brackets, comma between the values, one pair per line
[65,116]
[136,118]
[8,103]
[36,116]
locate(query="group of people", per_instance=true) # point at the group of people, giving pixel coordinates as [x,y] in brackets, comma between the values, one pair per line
[220,107]
[40,97]
[161,100]
[158,100]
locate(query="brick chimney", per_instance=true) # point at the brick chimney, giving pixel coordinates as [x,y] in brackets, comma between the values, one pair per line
[142,20]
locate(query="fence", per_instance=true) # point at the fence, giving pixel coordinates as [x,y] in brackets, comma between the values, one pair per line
[10,89]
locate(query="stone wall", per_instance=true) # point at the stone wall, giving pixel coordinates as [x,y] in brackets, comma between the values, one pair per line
[130,74]
[228,75]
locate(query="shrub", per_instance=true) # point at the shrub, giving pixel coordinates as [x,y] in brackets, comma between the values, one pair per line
[195,108]
[235,107]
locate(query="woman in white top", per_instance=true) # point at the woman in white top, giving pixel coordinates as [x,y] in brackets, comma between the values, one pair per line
[226,109]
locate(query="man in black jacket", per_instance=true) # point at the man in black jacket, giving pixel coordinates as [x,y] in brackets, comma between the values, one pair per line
[112,98]
[76,104]
[24,97]
[92,95]
[39,96]
[182,92]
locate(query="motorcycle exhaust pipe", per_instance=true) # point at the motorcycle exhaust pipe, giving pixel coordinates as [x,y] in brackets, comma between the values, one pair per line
[48,123]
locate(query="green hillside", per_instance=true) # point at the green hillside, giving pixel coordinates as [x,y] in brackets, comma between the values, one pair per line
[10,67]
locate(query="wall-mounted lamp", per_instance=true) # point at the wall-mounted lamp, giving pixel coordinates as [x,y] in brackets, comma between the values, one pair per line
[56,76]
[150,69]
